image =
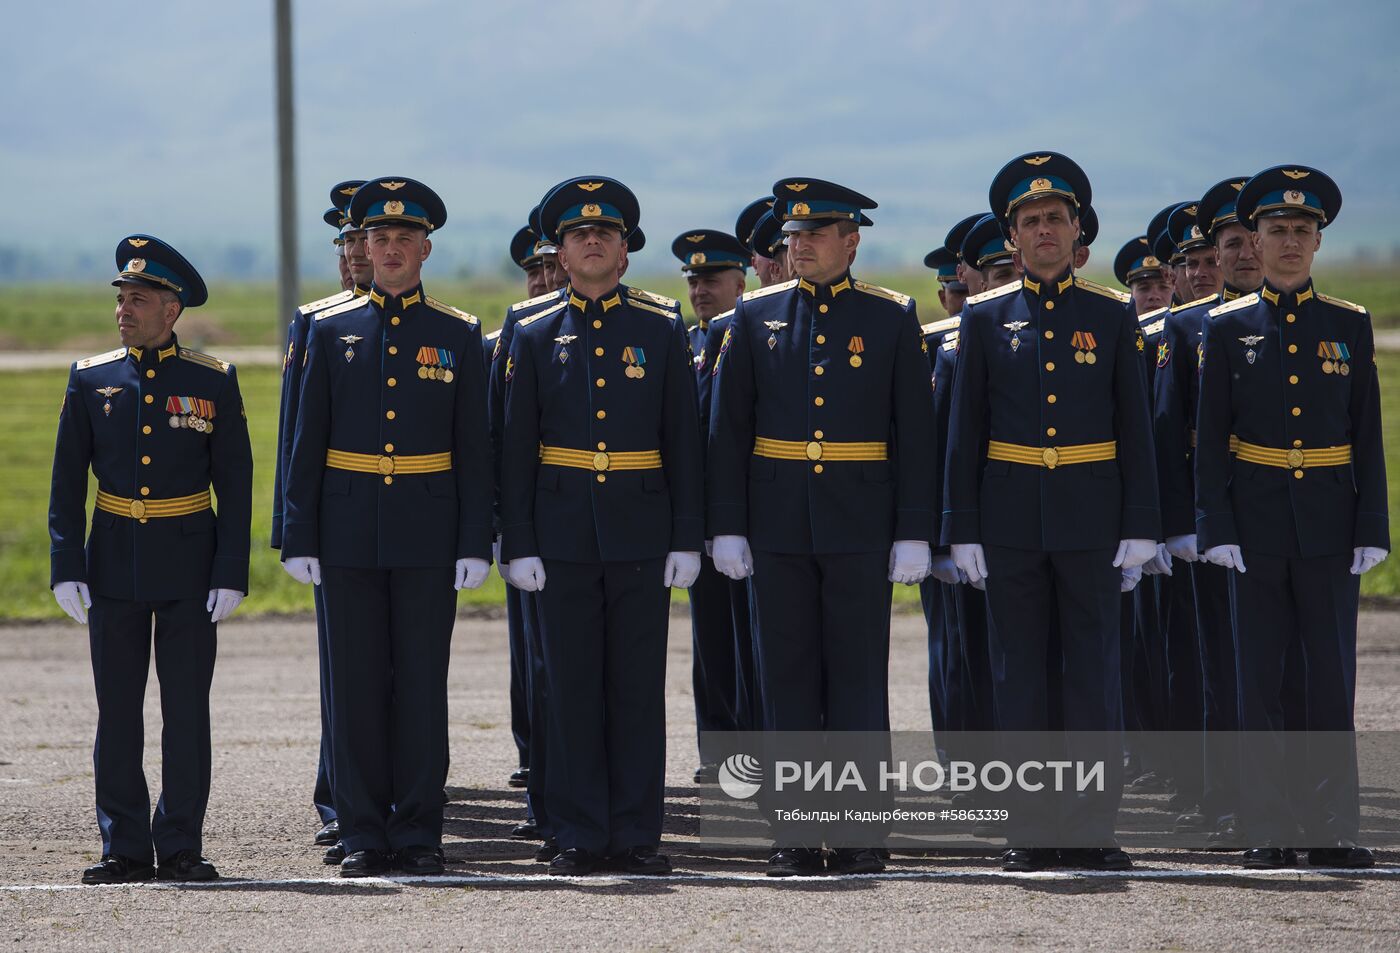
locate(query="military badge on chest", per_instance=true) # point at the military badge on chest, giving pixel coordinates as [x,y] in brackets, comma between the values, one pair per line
[856,347]
[1250,342]
[109,393]
[196,413]
[435,364]
[1335,356]
[773,328]
[1015,328]
[350,341]
[1084,345]
[564,340]
[634,358]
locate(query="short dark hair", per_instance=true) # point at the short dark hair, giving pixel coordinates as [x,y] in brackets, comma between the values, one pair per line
[167,296]
[844,228]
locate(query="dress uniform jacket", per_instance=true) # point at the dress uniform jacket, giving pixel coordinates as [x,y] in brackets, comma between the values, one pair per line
[116,418]
[1313,357]
[622,382]
[404,376]
[1056,379]
[819,367]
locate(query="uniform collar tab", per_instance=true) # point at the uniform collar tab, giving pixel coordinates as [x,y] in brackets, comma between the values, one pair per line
[397,302]
[1272,295]
[171,348]
[580,303]
[831,290]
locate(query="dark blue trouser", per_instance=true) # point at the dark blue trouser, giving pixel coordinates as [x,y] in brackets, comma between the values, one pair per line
[748,703]
[119,634]
[1219,693]
[1081,589]
[323,797]
[965,609]
[1185,691]
[603,629]
[537,688]
[715,663]
[519,676]
[944,694]
[1312,603]
[390,635]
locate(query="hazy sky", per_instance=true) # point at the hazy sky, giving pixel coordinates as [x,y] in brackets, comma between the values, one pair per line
[159,116]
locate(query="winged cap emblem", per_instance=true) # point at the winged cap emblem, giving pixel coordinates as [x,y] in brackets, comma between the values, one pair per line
[1249,340]
[351,338]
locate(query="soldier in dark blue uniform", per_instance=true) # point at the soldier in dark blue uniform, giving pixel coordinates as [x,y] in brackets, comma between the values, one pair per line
[1051,486]
[354,261]
[160,426]
[1289,382]
[1164,250]
[1138,270]
[767,267]
[601,514]
[952,290]
[820,479]
[389,494]
[715,265]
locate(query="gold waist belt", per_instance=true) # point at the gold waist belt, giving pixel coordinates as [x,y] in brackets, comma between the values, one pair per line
[149,509]
[387,464]
[600,461]
[1295,459]
[820,450]
[1052,457]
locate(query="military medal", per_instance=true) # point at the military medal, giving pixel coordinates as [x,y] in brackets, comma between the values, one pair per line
[109,393]
[349,340]
[634,358]
[855,347]
[1083,343]
[1334,356]
[193,413]
[564,340]
[435,364]
[1015,327]
[1249,340]
[773,327]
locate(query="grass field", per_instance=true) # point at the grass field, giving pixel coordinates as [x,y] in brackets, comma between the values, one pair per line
[29,404]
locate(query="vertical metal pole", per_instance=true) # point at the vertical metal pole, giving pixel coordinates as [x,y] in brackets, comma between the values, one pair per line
[288,294]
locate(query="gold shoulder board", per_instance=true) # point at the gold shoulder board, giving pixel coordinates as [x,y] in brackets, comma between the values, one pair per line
[538,299]
[950,343]
[672,314]
[670,304]
[1244,301]
[445,308]
[313,306]
[1104,290]
[350,304]
[947,324]
[889,294]
[771,289]
[1349,305]
[206,360]
[1192,304]
[996,292]
[1155,327]
[525,322]
[493,335]
[1150,316]
[97,359]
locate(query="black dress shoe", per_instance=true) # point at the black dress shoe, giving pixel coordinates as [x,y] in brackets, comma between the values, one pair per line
[186,866]
[421,861]
[1226,837]
[116,869]
[519,778]
[641,860]
[334,854]
[1023,859]
[1270,858]
[574,862]
[525,831]
[795,862]
[1352,858]
[548,851]
[367,863]
[855,860]
[707,773]
[1096,858]
[1192,821]
[328,834]
[1148,783]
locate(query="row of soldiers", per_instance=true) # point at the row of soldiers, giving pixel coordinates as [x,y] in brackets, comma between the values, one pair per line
[783,460]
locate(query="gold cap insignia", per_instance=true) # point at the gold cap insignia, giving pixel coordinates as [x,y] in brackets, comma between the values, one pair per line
[1151,262]
[801,208]
[695,238]
[1296,173]
[1237,186]
[1196,232]
[1040,185]
[393,207]
[136,264]
[392,186]
[139,242]
[590,186]
[797,186]
[698,258]
[1037,160]
[1190,210]
[350,191]
[591,211]
[1293,197]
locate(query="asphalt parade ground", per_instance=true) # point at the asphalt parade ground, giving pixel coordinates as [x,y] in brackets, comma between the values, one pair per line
[275,893]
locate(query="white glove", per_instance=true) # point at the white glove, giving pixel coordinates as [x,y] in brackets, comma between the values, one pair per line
[732,557]
[1365,558]
[222,602]
[527,573]
[471,573]
[303,569]
[1227,556]
[945,570]
[1160,564]
[1134,552]
[1131,577]
[681,570]
[909,561]
[74,599]
[502,568]
[1183,548]
[972,560]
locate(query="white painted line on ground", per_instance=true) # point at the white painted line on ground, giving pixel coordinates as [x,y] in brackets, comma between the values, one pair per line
[478,880]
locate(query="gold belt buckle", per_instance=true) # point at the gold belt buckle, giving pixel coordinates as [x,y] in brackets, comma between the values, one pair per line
[385,465]
[1294,459]
[137,509]
[814,450]
[1050,456]
[601,462]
